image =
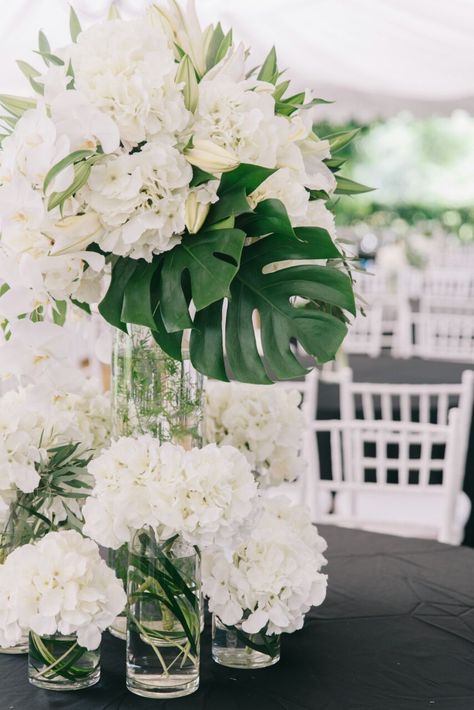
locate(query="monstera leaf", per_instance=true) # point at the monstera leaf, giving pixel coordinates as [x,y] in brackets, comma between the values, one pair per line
[272,294]
[210,261]
[224,274]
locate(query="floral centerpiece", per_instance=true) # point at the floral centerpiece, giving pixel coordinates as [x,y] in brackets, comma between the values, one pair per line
[150,148]
[264,585]
[172,503]
[264,423]
[61,592]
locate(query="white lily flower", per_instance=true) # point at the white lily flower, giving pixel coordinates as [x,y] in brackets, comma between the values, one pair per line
[75,233]
[210,157]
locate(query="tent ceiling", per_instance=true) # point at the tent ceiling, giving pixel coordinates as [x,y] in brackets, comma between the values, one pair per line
[375,57]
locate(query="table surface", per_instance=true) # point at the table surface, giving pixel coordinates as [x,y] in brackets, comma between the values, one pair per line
[412,371]
[396,632]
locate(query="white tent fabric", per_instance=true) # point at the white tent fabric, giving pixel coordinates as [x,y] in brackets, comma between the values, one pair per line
[374,57]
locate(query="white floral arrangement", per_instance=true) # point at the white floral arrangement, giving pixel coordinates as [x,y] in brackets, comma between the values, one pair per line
[36,421]
[152,149]
[203,494]
[61,585]
[268,582]
[264,423]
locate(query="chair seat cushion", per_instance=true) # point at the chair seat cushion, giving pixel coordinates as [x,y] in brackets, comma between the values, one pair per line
[399,513]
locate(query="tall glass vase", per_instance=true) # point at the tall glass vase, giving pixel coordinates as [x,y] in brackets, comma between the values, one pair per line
[163,628]
[152,394]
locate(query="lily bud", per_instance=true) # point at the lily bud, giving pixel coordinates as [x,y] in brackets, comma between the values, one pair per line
[210,157]
[72,234]
[186,75]
[195,213]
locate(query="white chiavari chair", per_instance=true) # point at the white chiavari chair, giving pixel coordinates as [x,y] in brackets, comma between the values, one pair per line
[400,478]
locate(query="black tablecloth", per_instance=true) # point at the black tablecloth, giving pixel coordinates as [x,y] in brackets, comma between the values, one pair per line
[396,632]
[413,371]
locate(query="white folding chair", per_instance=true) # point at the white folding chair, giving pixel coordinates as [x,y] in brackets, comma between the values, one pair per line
[443,329]
[399,478]
[411,403]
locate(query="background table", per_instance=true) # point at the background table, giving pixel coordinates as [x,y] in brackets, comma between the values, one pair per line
[413,371]
[396,633]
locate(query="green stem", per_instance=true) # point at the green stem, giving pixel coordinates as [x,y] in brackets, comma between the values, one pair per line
[48,656]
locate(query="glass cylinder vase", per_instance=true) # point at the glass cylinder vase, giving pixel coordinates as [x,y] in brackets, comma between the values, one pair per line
[57,662]
[163,629]
[234,648]
[152,394]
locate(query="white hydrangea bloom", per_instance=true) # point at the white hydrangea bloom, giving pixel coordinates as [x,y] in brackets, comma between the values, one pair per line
[204,494]
[127,70]
[37,417]
[141,200]
[59,584]
[283,186]
[264,423]
[271,580]
[240,117]
[317,215]
[46,248]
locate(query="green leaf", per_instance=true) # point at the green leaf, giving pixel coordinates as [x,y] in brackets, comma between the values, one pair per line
[210,261]
[319,330]
[70,159]
[269,70]
[137,307]
[43,44]
[200,177]
[59,312]
[280,90]
[231,204]
[50,58]
[335,163]
[37,86]
[169,342]
[245,175]
[11,121]
[214,44]
[27,69]
[223,47]
[82,305]
[81,174]
[349,187]
[318,195]
[206,347]
[268,217]
[16,105]
[111,305]
[74,24]
[339,140]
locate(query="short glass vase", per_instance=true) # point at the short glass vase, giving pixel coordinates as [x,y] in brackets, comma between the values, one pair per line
[164,619]
[58,662]
[234,648]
